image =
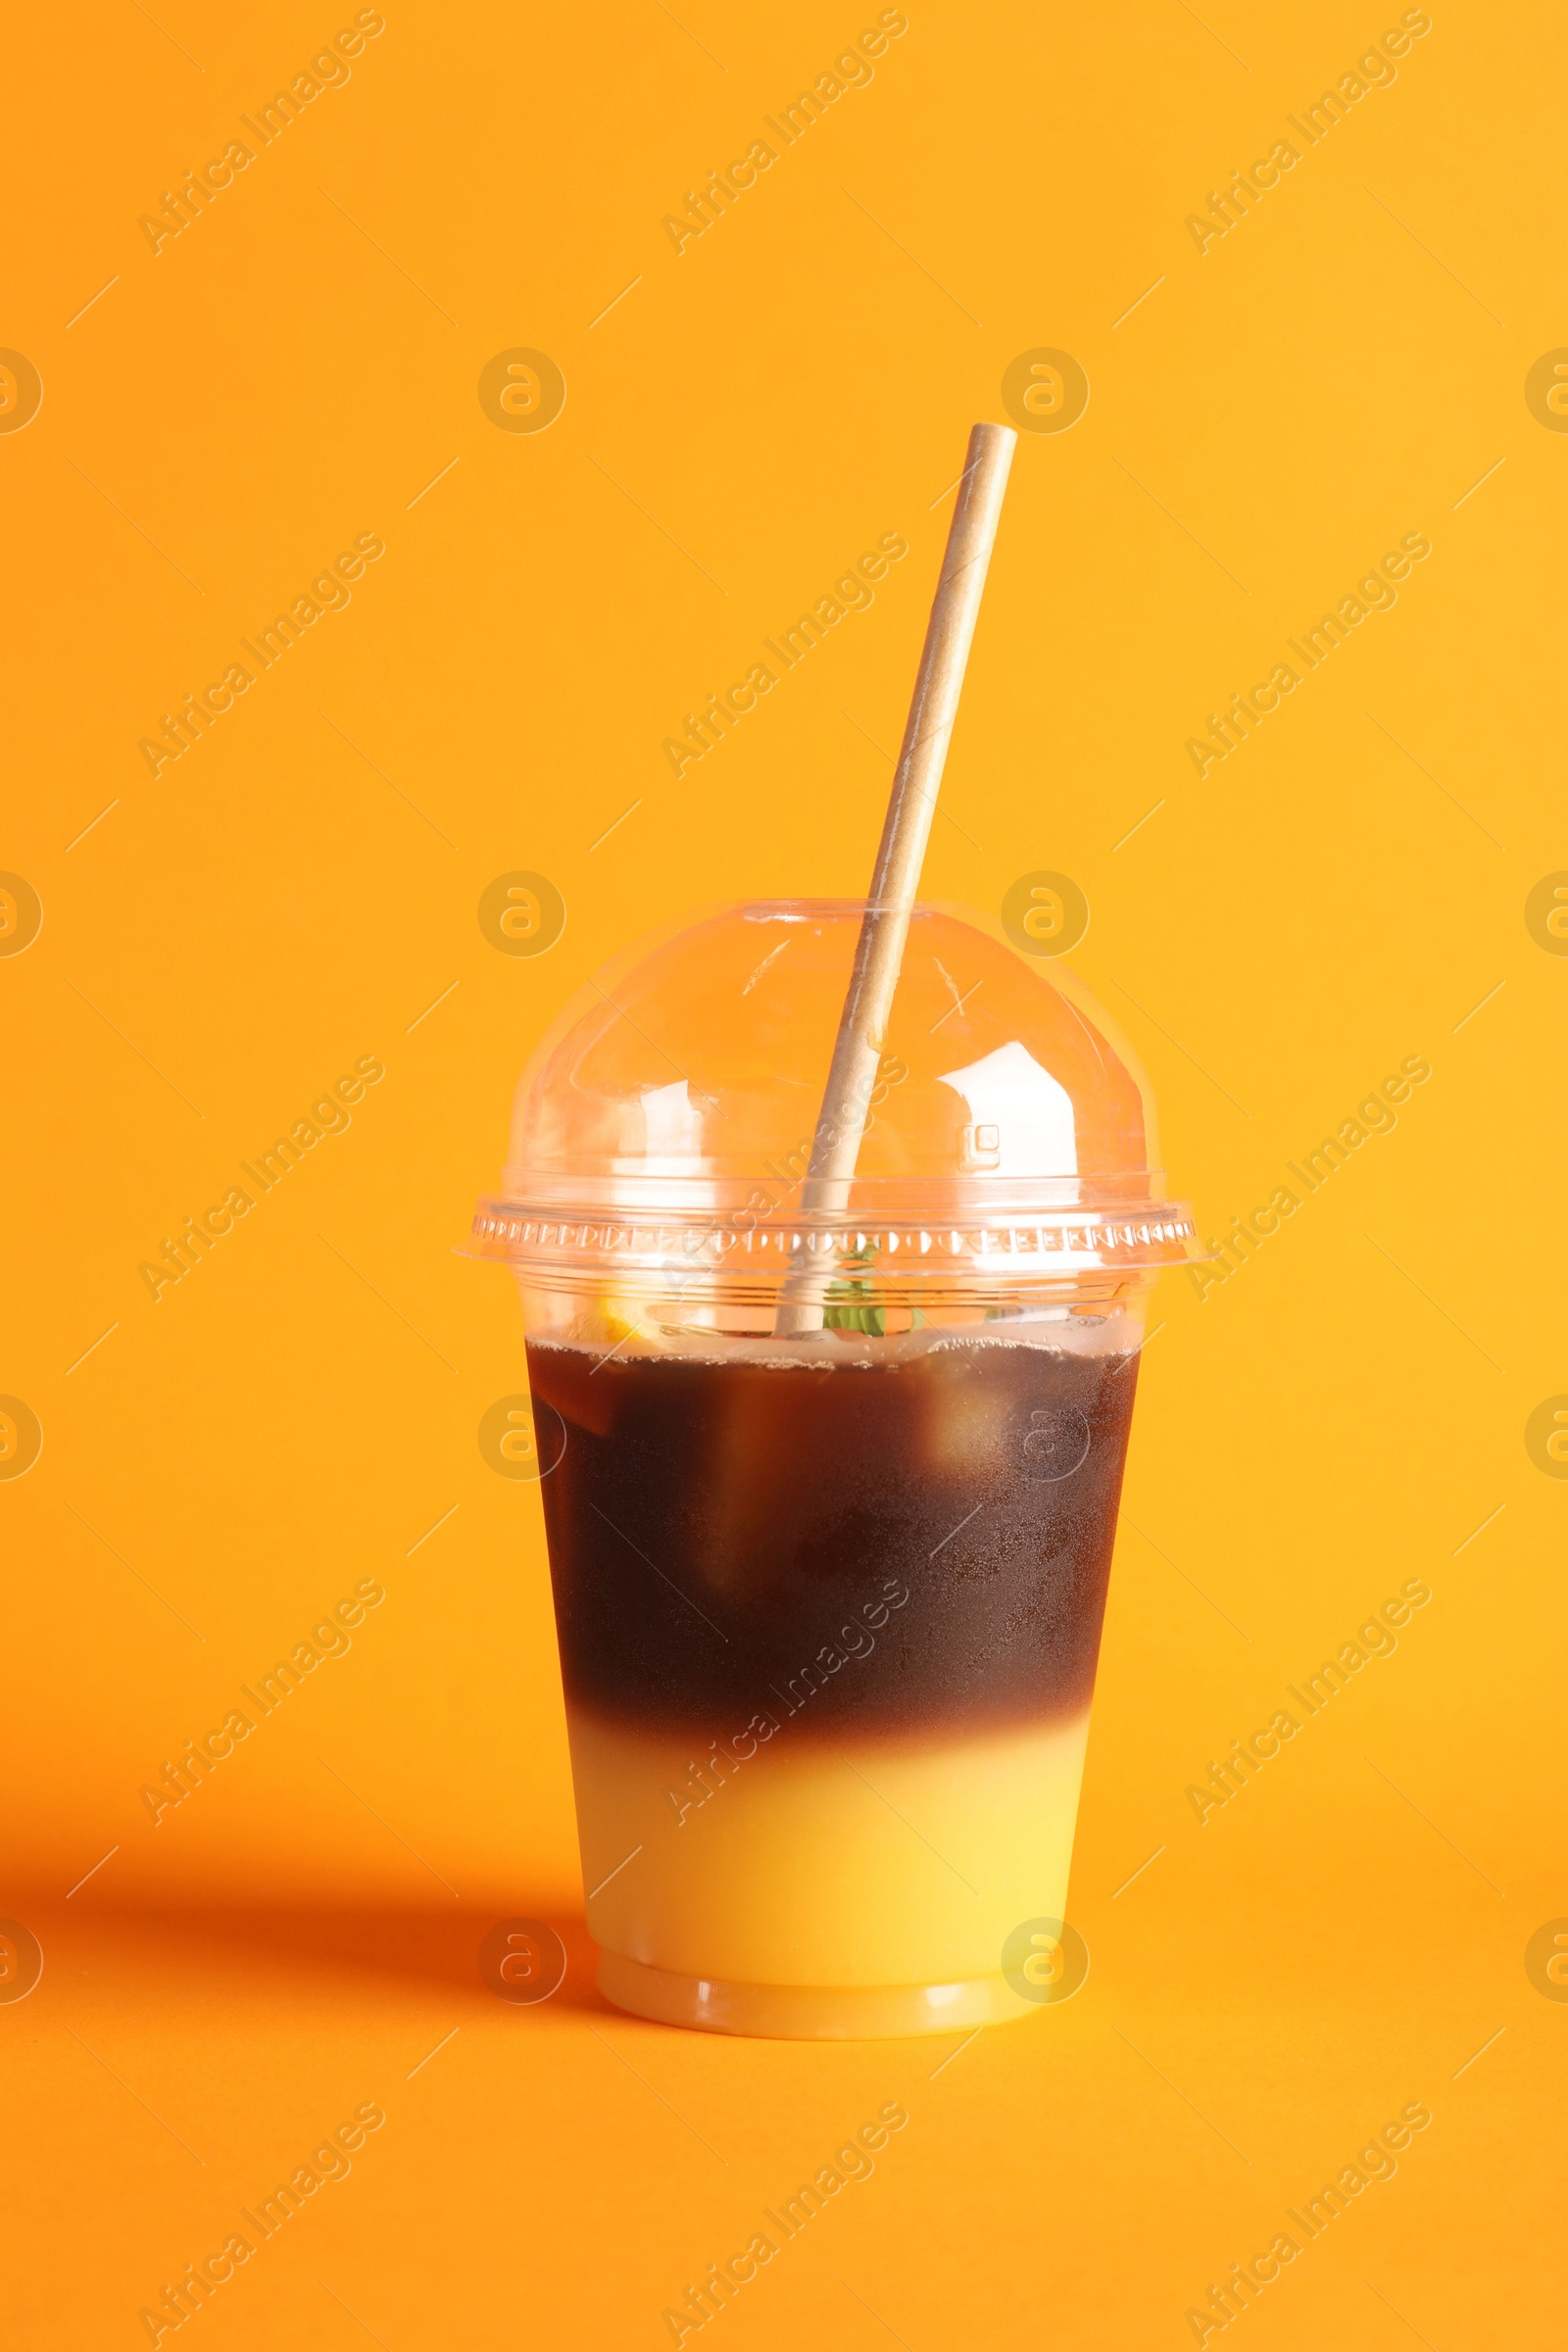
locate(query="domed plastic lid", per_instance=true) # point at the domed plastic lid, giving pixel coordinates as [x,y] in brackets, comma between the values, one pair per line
[668,1115]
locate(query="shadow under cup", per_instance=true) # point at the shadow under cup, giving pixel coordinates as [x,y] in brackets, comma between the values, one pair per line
[829,1586]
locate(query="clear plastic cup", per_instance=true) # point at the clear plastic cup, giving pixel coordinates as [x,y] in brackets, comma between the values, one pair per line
[829,1604]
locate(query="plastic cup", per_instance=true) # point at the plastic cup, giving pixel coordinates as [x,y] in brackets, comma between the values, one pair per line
[830,1605]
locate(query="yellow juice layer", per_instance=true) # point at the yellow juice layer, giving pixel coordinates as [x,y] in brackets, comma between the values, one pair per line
[896,1861]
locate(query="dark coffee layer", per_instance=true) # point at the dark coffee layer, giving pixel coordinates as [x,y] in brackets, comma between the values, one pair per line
[870,1548]
[882,1548]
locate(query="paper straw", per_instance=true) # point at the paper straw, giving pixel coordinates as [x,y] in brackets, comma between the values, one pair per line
[879,951]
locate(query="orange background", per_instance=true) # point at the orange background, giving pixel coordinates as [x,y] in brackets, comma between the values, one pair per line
[299,891]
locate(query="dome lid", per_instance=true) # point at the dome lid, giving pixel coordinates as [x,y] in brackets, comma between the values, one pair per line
[672,1107]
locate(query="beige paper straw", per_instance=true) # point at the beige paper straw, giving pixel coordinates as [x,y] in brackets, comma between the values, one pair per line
[879,951]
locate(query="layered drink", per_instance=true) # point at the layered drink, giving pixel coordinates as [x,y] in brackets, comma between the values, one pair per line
[829,1617]
[830,1493]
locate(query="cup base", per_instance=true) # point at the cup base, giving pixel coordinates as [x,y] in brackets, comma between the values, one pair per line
[808,2011]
